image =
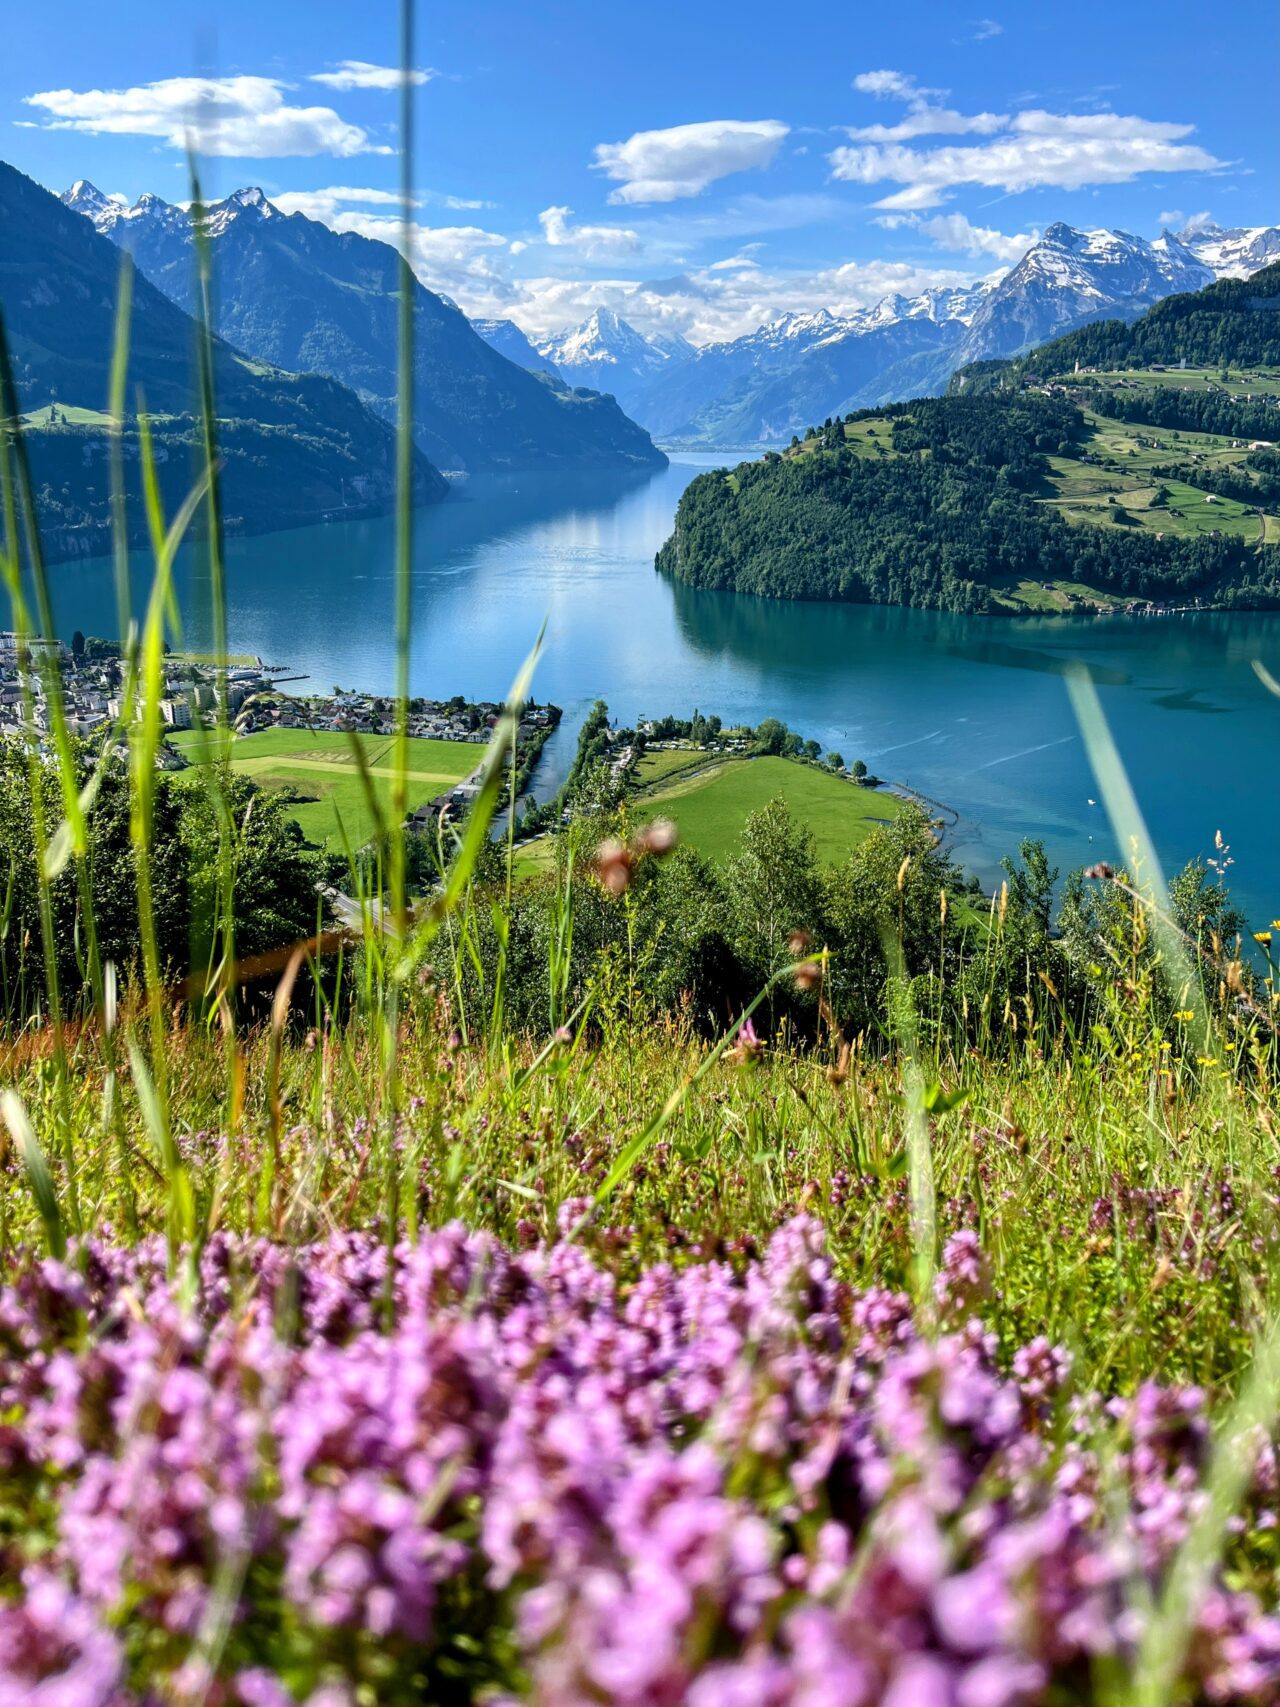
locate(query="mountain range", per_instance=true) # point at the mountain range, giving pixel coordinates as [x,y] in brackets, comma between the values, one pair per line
[294,447]
[293,292]
[773,382]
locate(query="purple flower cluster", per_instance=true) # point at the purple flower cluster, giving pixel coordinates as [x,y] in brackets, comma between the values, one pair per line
[283,1477]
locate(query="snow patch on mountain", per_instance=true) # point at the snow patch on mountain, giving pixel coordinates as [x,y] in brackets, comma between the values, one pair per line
[1233,254]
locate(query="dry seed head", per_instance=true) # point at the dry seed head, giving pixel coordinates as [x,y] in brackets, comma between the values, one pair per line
[614,861]
[658,838]
[808,975]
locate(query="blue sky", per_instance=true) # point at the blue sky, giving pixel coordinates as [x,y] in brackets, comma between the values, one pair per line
[700,166]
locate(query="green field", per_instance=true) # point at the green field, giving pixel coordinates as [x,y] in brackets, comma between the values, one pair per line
[1122,479]
[710,809]
[656,767]
[72,415]
[321,768]
[1246,382]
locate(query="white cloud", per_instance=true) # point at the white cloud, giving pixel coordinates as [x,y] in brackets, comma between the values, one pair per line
[923,116]
[459,260]
[478,269]
[236,117]
[735,263]
[591,242]
[666,165]
[925,120]
[893,85]
[984,29]
[325,204]
[1039,149]
[359,74]
[954,231]
[1192,222]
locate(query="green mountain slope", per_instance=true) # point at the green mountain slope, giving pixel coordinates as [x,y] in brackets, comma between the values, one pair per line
[293,292]
[1030,487]
[295,448]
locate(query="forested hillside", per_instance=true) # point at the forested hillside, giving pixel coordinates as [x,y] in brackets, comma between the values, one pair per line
[295,447]
[1095,472]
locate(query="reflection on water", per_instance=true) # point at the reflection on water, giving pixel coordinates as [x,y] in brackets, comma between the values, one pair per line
[968,710]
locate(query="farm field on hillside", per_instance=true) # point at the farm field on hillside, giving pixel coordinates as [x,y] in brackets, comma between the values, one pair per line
[1119,485]
[1247,382]
[322,770]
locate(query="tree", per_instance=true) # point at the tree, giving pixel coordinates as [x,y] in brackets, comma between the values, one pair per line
[812,751]
[836,761]
[888,891]
[774,889]
[77,644]
[771,736]
[858,770]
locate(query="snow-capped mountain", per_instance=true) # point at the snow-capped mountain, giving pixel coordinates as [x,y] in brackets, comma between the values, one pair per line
[1070,277]
[801,367]
[1233,254]
[607,354]
[509,341]
[308,299]
[86,198]
[153,230]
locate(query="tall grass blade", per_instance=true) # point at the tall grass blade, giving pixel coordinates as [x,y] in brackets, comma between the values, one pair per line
[39,1178]
[1130,831]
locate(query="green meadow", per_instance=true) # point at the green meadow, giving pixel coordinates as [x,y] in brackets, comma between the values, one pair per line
[710,807]
[320,769]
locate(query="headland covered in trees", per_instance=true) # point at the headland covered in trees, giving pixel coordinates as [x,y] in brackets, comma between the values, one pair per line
[1118,467]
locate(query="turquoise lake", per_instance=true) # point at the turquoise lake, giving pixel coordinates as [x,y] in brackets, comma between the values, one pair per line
[972,712]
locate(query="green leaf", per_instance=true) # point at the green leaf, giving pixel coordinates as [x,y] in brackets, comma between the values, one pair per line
[938,1101]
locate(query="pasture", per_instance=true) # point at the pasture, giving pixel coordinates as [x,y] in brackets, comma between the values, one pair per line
[319,766]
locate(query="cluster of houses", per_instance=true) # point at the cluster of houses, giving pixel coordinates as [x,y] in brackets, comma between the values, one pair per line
[375,714]
[92,686]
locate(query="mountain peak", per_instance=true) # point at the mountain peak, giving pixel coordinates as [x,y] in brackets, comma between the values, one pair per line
[86,198]
[1062,235]
[84,194]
